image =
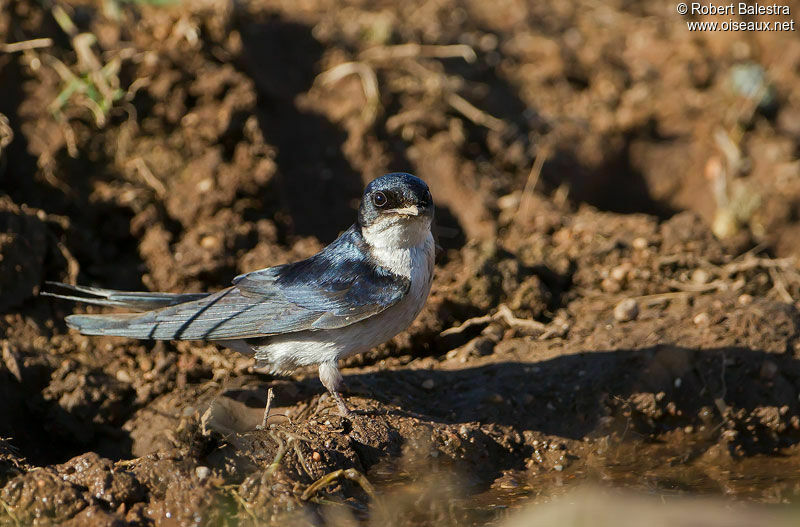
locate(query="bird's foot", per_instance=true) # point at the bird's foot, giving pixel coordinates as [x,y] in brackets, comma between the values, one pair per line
[344,411]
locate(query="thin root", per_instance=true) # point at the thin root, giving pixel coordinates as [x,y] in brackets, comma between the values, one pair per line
[350,473]
[503,313]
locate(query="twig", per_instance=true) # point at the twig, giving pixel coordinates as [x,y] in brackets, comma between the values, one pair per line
[267,407]
[11,361]
[144,171]
[752,263]
[658,297]
[508,316]
[64,21]
[533,179]
[716,285]
[301,458]
[503,313]
[25,45]
[474,114]
[412,50]
[779,284]
[485,319]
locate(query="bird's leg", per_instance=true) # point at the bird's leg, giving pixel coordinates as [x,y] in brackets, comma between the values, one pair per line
[331,379]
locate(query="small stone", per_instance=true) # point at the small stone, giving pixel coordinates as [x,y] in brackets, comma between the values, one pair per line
[620,272]
[701,319]
[202,472]
[700,276]
[639,243]
[678,382]
[209,242]
[205,185]
[316,456]
[610,286]
[626,310]
[558,468]
[428,384]
[745,299]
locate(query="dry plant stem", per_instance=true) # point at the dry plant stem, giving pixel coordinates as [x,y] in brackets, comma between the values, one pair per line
[716,285]
[412,50]
[278,457]
[24,45]
[301,458]
[350,473]
[267,407]
[144,171]
[779,284]
[474,114]
[503,313]
[530,184]
[369,83]
[11,363]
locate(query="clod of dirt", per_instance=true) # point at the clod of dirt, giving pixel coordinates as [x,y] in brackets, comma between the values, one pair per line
[102,480]
[626,310]
[42,495]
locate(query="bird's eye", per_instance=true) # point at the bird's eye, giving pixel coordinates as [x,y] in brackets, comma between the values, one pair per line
[379,199]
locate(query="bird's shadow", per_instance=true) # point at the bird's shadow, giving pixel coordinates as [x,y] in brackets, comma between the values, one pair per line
[642,391]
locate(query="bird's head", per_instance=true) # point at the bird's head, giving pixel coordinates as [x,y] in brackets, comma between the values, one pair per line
[396,211]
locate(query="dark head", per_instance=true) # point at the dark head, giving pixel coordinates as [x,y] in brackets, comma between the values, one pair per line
[398,204]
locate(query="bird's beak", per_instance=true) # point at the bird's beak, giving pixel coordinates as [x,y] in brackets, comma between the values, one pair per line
[411,210]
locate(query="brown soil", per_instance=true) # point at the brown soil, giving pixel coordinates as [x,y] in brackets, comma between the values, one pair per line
[629,321]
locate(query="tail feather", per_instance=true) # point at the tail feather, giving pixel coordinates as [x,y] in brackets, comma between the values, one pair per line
[101,324]
[138,301]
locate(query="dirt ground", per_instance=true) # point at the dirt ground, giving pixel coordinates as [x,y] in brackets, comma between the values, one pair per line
[615,301]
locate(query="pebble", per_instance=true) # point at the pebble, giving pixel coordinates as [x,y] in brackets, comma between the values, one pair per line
[202,472]
[610,286]
[626,310]
[745,299]
[700,276]
[428,384]
[701,319]
[640,243]
[620,272]
[209,242]
[316,456]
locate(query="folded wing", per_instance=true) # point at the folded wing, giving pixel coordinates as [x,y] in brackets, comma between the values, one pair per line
[335,288]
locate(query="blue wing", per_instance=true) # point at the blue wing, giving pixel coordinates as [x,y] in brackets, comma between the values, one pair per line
[332,289]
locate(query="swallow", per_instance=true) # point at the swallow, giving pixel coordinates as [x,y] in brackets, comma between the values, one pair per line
[358,292]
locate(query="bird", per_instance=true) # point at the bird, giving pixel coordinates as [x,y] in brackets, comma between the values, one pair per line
[364,288]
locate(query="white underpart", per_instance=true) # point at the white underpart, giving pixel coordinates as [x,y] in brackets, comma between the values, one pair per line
[402,244]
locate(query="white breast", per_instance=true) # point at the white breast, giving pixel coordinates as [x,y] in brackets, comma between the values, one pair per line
[285,352]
